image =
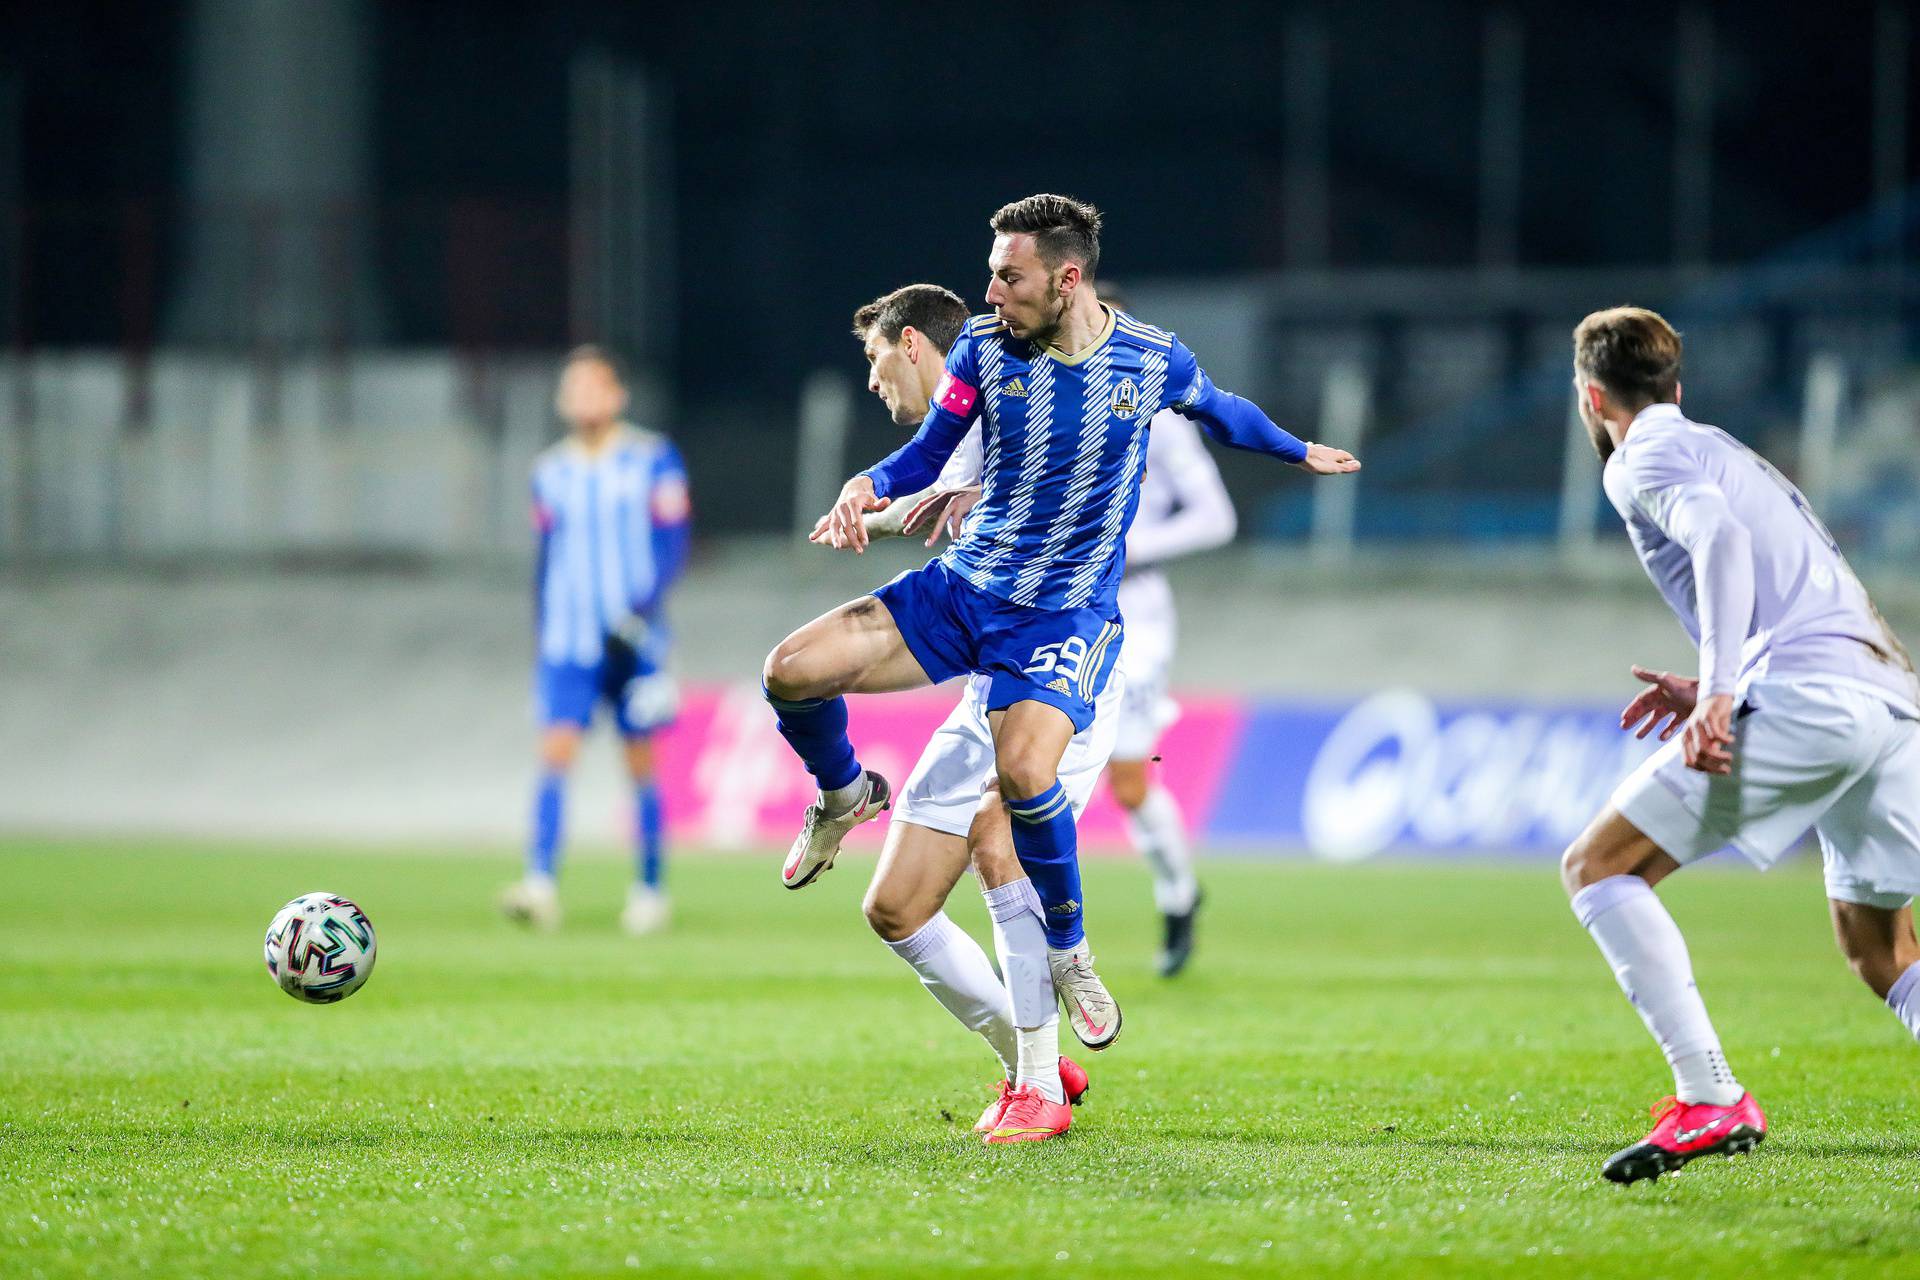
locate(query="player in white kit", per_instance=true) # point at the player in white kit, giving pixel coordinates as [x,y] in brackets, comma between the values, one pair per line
[1184,508]
[949,812]
[1805,714]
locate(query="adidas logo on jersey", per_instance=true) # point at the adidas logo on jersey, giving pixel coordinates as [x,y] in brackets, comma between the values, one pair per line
[1059,685]
[1014,387]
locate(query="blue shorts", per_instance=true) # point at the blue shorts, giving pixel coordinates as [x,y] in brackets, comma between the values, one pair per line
[643,696]
[1061,657]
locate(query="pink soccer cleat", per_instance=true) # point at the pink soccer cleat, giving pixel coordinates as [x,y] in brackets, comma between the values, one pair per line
[1030,1117]
[1684,1130]
[1072,1078]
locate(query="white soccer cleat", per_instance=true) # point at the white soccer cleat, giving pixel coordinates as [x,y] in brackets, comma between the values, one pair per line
[646,911]
[1092,1011]
[818,843]
[533,901]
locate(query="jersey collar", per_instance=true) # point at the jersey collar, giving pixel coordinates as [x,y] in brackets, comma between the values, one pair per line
[1087,352]
[621,433]
[1657,413]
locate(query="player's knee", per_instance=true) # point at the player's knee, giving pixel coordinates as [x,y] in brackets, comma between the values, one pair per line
[782,672]
[1025,774]
[558,750]
[891,918]
[1576,866]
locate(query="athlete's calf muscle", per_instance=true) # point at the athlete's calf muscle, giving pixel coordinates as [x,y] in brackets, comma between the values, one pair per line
[990,842]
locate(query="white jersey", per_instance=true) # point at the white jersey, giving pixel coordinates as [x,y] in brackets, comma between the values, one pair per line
[1753,575]
[1184,505]
[963,468]
[1184,508]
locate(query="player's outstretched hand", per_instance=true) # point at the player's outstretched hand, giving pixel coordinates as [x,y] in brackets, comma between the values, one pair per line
[1707,741]
[1325,460]
[841,527]
[941,514]
[1664,706]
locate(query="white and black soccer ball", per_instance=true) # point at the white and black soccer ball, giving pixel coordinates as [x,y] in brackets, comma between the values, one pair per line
[320,948]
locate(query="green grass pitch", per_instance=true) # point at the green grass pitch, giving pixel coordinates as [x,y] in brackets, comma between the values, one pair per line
[1382,1071]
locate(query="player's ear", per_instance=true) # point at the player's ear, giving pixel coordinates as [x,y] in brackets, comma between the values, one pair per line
[910,343]
[1596,399]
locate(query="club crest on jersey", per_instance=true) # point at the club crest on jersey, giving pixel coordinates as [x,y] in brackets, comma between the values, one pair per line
[1126,399]
[1014,387]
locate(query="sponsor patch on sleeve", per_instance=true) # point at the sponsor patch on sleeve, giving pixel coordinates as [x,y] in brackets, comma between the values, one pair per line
[955,396]
[671,502]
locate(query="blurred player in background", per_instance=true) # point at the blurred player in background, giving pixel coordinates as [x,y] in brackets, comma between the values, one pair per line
[949,812]
[611,509]
[1184,508]
[1805,713]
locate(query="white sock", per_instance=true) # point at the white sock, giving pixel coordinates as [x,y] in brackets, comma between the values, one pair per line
[842,799]
[1904,999]
[957,972]
[1649,957]
[1161,838]
[1040,1060]
[1020,937]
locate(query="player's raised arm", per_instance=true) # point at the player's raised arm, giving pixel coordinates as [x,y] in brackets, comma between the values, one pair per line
[1240,424]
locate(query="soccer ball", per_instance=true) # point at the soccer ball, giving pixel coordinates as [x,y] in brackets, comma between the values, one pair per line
[320,948]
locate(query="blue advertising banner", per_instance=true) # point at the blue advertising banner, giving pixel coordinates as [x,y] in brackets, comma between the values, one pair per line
[1401,772]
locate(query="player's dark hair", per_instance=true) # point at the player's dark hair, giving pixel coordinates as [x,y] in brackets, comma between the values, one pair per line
[1632,352]
[600,355]
[935,312]
[1063,229]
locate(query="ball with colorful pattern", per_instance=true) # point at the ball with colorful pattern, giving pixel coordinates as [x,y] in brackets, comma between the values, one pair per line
[320,948]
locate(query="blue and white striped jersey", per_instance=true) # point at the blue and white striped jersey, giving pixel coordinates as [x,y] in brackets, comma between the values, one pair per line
[613,529]
[1065,445]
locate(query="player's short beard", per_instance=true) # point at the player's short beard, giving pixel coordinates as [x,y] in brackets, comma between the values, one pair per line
[1044,334]
[1597,432]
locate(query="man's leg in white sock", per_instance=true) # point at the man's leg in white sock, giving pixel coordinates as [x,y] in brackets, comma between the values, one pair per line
[958,974]
[1649,959]
[1161,837]
[918,868]
[1020,937]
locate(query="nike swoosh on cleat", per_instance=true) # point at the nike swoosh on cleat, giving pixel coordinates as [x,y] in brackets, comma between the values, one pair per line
[1009,1133]
[1093,1028]
[1688,1135]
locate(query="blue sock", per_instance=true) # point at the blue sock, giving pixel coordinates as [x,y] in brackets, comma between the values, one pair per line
[816,729]
[649,824]
[1045,839]
[543,849]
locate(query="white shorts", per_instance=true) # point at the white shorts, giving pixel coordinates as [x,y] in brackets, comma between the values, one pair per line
[1146,652]
[1835,758]
[943,791]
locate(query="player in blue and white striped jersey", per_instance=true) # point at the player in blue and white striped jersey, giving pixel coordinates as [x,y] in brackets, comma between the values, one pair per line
[1064,388]
[611,510]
